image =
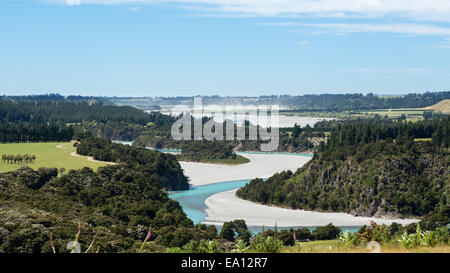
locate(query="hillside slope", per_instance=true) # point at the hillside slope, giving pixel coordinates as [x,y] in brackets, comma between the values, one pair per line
[364,177]
[442,106]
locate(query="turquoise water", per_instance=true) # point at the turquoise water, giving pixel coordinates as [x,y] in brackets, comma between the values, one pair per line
[193,200]
[122,142]
[169,150]
[193,203]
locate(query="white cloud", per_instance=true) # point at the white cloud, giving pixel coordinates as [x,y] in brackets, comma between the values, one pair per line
[437,10]
[303,43]
[73,2]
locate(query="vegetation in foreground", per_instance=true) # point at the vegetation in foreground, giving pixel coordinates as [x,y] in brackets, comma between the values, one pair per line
[234,237]
[117,205]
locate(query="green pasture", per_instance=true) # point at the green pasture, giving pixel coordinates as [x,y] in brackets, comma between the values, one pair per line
[52,154]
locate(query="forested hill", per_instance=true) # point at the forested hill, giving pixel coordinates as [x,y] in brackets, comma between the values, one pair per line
[210,152]
[31,119]
[68,112]
[114,208]
[310,102]
[164,167]
[348,102]
[368,168]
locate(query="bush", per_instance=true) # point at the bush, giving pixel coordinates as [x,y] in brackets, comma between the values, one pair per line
[379,233]
[265,245]
[420,238]
[328,232]
[434,221]
[286,237]
[348,239]
[201,246]
[394,228]
[442,235]
[227,231]
[241,247]
[233,228]
[303,234]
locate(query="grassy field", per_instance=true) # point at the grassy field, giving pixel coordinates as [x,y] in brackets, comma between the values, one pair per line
[48,155]
[334,246]
[442,106]
[410,113]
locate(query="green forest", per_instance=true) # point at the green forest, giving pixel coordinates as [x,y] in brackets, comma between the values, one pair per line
[117,204]
[309,102]
[148,162]
[368,168]
[210,152]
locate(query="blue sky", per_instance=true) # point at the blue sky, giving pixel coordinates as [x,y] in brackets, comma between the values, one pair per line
[226,47]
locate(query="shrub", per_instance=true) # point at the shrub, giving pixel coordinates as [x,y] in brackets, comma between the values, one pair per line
[442,235]
[434,221]
[327,232]
[348,239]
[194,246]
[241,247]
[394,228]
[265,245]
[406,240]
[286,237]
[233,228]
[303,234]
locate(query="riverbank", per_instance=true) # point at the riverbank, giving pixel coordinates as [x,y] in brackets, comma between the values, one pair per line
[226,206]
[261,165]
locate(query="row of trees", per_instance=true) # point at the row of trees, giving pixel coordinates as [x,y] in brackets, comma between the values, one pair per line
[367,131]
[13,132]
[18,159]
[55,118]
[346,102]
[319,102]
[68,111]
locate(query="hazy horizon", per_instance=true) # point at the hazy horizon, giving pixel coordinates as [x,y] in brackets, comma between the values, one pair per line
[180,48]
[66,94]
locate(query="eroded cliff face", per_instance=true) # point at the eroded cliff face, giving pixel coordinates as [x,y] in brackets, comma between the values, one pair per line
[381,187]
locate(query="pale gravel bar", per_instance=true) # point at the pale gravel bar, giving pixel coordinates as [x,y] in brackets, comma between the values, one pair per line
[226,206]
[260,165]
